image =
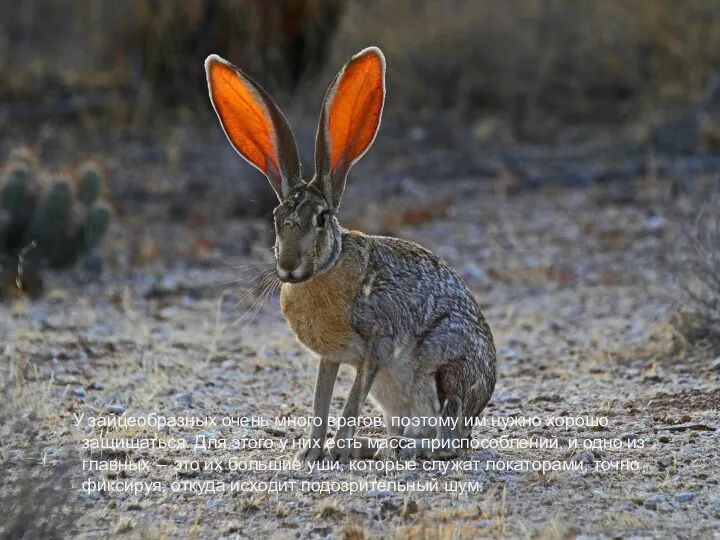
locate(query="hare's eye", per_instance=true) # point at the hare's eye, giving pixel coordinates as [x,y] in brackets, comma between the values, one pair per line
[322,218]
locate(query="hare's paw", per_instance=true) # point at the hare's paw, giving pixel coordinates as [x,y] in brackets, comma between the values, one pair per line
[397,449]
[310,454]
[340,452]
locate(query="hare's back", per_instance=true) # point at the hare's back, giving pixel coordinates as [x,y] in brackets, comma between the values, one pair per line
[407,290]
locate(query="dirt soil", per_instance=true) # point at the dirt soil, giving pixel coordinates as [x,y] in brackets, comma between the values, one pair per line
[574,283]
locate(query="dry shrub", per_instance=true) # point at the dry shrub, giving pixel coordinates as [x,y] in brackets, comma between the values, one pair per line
[157,47]
[274,41]
[574,58]
[40,486]
[698,276]
[571,58]
[35,502]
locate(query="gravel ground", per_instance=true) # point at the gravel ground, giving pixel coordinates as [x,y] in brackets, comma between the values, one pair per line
[576,289]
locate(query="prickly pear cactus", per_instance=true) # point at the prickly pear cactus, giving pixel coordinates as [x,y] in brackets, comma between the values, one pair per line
[47,221]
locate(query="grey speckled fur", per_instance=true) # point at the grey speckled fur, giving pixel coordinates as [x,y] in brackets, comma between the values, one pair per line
[415,304]
[390,308]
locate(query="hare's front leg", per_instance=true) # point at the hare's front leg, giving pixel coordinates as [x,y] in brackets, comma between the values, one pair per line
[324,383]
[364,378]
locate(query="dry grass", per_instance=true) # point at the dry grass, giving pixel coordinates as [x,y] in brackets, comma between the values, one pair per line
[37,497]
[699,278]
[573,350]
[328,509]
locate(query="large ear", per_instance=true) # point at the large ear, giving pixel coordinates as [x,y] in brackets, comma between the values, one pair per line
[253,124]
[349,120]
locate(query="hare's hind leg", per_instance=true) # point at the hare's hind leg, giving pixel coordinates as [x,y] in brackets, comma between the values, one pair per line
[462,388]
[418,424]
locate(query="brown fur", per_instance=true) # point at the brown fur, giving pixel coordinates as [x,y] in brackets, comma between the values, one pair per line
[318,310]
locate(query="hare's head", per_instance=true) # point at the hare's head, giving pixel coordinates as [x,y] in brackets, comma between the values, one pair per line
[307,234]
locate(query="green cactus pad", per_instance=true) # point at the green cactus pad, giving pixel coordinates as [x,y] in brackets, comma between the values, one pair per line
[95,227]
[90,179]
[18,201]
[49,226]
[51,222]
[88,235]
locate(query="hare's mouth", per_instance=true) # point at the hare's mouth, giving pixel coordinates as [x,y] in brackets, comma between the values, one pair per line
[292,277]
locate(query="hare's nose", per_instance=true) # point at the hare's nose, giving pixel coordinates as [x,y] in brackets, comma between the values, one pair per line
[288,262]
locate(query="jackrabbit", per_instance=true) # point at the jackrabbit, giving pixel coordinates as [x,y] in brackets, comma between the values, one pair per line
[390,308]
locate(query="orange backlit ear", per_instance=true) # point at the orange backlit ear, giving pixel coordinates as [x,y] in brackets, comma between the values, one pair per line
[350,118]
[254,125]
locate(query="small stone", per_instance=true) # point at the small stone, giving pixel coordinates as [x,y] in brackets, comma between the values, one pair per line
[652,501]
[586,457]
[167,313]
[93,495]
[716,364]
[79,392]
[268,352]
[664,439]
[97,385]
[115,409]
[686,418]
[323,532]
[472,271]
[208,434]
[184,399]
[681,368]
[509,354]
[654,223]
[684,497]
[389,506]
[231,528]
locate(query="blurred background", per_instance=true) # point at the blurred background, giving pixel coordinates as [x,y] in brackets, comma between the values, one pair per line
[559,154]
[526,91]
[574,61]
